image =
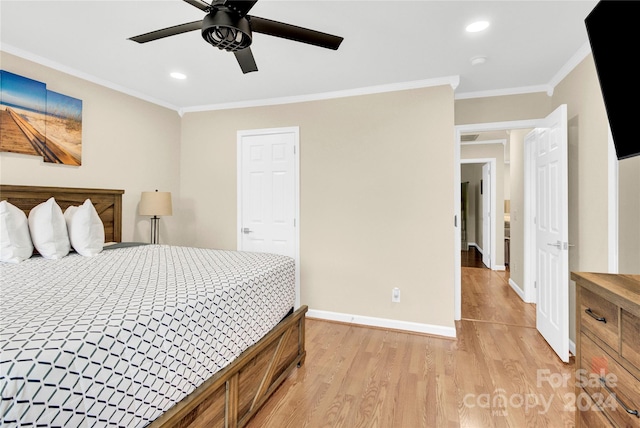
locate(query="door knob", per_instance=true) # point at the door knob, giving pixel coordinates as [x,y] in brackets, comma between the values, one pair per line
[561,246]
[558,245]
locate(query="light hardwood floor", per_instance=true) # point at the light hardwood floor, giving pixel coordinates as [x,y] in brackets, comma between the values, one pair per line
[499,372]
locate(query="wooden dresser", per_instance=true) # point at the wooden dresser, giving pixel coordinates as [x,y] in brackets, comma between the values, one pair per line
[608,350]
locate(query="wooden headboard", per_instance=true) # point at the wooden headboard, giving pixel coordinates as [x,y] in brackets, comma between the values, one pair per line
[108,203]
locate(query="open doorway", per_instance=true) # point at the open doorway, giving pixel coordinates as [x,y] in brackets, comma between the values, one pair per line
[550,137]
[470,148]
[486,293]
[478,219]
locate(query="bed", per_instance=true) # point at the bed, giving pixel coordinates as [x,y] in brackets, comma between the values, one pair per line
[142,335]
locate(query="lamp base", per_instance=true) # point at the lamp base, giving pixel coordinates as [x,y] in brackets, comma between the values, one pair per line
[155,229]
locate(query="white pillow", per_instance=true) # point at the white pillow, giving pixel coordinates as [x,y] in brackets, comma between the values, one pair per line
[86,231]
[15,241]
[49,230]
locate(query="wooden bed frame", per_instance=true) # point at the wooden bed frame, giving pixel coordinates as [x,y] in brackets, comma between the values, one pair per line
[233,395]
[108,203]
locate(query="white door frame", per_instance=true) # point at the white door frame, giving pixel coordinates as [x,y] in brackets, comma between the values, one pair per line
[529,246]
[493,184]
[529,243]
[459,130]
[296,179]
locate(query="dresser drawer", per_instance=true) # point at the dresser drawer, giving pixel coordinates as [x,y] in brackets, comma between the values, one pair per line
[591,417]
[609,384]
[630,349]
[600,317]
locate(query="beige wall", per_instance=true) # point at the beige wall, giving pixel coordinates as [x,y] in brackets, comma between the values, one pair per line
[376,197]
[507,183]
[126,144]
[501,109]
[588,153]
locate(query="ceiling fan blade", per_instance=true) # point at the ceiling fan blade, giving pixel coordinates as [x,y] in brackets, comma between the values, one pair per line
[246,61]
[199,4]
[292,32]
[166,32]
[242,7]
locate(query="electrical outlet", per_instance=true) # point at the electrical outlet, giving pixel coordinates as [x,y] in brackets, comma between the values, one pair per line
[395,295]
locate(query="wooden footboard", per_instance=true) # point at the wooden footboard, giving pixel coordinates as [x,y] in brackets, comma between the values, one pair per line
[231,397]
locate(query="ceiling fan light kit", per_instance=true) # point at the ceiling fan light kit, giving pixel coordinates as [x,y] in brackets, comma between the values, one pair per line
[227,26]
[226,31]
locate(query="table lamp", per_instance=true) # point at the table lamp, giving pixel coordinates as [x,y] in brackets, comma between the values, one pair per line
[155,204]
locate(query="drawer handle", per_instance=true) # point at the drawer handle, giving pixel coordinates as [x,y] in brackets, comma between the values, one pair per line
[614,395]
[594,316]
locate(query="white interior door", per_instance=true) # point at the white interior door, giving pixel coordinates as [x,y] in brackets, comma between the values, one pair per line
[486,215]
[267,191]
[551,226]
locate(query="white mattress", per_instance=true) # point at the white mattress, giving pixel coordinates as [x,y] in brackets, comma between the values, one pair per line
[117,339]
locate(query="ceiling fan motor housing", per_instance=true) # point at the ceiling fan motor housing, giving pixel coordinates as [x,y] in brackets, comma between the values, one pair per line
[226,30]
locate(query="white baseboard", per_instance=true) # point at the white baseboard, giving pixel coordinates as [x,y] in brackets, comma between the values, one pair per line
[572,347]
[500,267]
[473,244]
[517,289]
[436,330]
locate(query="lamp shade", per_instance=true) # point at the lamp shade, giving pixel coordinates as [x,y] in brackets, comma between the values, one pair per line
[155,203]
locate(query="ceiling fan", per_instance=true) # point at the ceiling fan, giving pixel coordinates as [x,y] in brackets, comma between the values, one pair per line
[227,26]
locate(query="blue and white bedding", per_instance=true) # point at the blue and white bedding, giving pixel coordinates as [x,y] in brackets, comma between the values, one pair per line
[118,338]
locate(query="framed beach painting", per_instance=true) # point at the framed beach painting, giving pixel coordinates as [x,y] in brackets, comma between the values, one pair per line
[64,129]
[39,122]
[23,104]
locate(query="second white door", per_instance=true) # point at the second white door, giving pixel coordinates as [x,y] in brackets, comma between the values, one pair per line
[267,191]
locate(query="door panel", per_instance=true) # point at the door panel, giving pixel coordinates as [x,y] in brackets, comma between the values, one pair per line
[267,192]
[551,225]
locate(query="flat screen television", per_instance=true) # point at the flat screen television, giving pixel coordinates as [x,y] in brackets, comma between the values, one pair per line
[612,28]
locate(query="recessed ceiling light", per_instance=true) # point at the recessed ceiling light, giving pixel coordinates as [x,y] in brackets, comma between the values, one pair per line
[478,60]
[179,76]
[477,26]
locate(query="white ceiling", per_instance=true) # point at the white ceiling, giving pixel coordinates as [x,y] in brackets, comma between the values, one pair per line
[385,43]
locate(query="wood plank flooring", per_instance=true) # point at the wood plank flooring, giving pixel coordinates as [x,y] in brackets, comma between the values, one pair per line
[487,296]
[498,372]
[471,258]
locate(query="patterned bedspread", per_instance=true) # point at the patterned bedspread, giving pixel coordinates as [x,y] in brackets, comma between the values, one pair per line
[117,339]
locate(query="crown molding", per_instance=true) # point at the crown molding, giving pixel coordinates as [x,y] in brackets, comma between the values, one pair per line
[504,92]
[453,81]
[577,58]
